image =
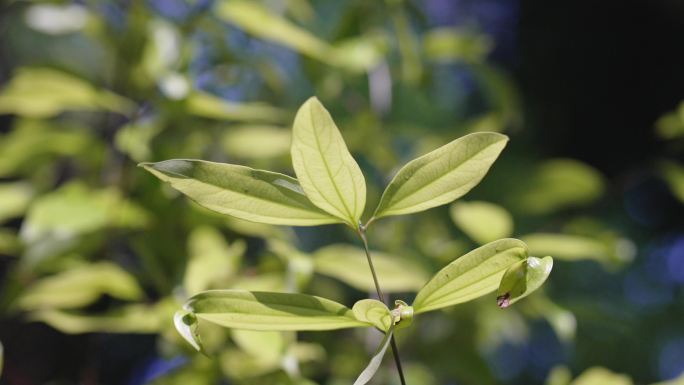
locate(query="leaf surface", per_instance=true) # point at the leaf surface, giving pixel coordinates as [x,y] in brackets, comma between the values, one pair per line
[442,175]
[326,170]
[475,274]
[243,309]
[243,192]
[374,312]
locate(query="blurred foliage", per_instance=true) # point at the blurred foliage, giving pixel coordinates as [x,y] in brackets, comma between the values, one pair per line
[102,253]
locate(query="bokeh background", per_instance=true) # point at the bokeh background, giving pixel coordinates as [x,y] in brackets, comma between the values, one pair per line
[96,255]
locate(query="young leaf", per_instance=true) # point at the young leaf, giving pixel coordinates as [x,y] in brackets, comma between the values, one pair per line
[374,363]
[243,192]
[243,309]
[374,312]
[328,173]
[521,279]
[442,175]
[186,325]
[470,276]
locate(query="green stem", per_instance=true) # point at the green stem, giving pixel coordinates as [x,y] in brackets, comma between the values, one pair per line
[395,350]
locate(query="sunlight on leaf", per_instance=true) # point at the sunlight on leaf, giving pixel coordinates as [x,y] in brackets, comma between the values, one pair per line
[243,192]
[186,325]
[271,311]
[373,312]
[451,45]
[326,170]
[14,199]
[80,286]
[570,247]
[212,260]
[483,222]
[471,276]
[558,184]
[601,376]
[44,92]
[442,175]
[209,106]
[268,346]
[256,142]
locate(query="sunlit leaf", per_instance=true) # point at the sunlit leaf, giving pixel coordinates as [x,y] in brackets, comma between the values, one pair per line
[210,106]
[45,92]
[271,311]
[130,319]
[674,176]
[79,287]
[522,279]
[442,175]
[450,45]
[268,346]
[350,265]
[482,221]
[373,312]
[570,247]
[33,143]
[259,21]
[671,125]
[256,142]
[473,275]
[57,219]
[326,170]
[601,376]
[356,54]
[212,260]
[243,192]
[14,199]
[559,375]
[557,184]
[376,360]
[134,139]
[186,325]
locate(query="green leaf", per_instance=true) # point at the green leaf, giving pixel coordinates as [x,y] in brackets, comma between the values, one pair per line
[375,362]
[674,176]
[473,275]
[558,184]
[14,199]
[522,279]
[186,325]
[210,106]
[442,175]
[326,170]
[268,346]
[559,375]
[129,319]
[256,142]
[271,311]
[570,247]
[601,376]
[243,192]
[80,286]
[482,221]
[45,92]
[453,45]
[349,264]
[212,260]
[356,54]
[373,312]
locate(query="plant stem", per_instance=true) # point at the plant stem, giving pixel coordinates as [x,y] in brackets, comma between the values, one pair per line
[395,350]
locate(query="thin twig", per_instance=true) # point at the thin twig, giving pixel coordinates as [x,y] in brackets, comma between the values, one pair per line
[395,350]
